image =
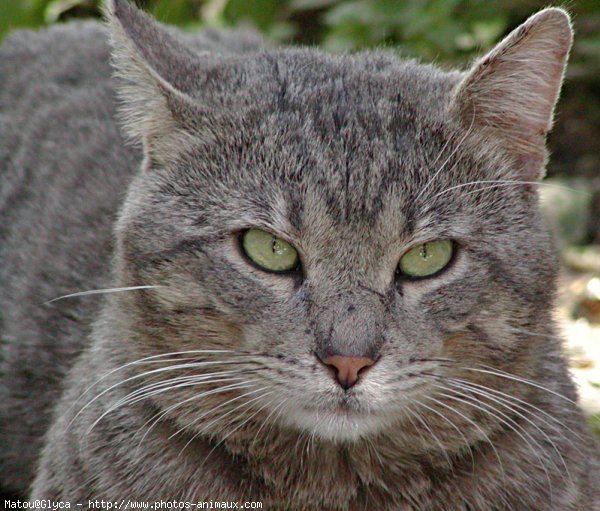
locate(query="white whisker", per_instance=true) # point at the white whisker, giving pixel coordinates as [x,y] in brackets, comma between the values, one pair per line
[439,414]
[443,450]
[146,360]
[506,182]
[523,405]
[205,426]
[513,408]
[213,409]
[503,419]
[128,400]
[181,382]
[156,418]
[227,414]
[240,425]
[100,292]
[267,418]
[154,371]
[443,165]
[478,428]
[508,376]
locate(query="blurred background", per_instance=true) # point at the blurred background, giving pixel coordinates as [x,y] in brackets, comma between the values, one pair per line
[450,33]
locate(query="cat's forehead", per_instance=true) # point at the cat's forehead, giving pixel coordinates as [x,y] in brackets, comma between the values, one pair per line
[322,85]
[342,134]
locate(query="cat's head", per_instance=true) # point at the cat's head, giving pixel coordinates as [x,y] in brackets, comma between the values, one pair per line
[347,229]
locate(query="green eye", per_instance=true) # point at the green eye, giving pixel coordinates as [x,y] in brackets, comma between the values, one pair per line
[426,259]
[268,251]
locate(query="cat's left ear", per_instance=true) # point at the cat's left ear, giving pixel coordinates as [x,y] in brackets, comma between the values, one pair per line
[509,95]
[157,73]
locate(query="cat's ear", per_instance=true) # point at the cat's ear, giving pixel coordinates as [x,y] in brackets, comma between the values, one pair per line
[510,94]
[156,72]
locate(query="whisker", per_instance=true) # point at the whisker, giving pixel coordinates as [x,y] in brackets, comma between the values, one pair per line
[213,409]
[417,416]
[240,425]
[148,373]
[205,427]
[511,407]
[523,406]
[478,428]
[127,400]
[227,414]
[156,418]
[507,421]
[501,374]
[534,334]
[266,420]
[508,376]
[177,383]
[497,183]
[415,427]
[302,450]
[100,292]
[180,382]
[439,414]
[371,444]
[145,360]
[443,165]
[276,418]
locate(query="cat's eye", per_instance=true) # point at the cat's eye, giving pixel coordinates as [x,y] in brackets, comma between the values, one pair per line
[269,252]
[426,259]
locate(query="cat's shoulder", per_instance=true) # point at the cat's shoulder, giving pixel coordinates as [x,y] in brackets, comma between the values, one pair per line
[71,37]
[78,53]
[64,54]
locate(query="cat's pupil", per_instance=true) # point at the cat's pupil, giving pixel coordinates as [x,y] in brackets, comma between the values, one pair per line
[424,250]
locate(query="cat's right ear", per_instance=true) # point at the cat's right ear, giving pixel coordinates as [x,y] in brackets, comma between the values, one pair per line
[156,73]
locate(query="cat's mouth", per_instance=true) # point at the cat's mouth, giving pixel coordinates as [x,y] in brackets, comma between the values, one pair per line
[341,419]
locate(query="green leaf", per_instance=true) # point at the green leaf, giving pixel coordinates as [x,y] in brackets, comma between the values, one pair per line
[594,422]
[56,8]
[177,12]
[19,14]
[261,13]
[311,4]
[360,12]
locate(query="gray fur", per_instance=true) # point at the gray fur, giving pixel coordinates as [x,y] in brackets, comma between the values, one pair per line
[353,159]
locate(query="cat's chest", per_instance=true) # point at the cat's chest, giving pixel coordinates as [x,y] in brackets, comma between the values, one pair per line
[331,479]
[301,476]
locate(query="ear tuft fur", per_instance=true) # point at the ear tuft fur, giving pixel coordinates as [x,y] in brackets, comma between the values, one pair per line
[511,92]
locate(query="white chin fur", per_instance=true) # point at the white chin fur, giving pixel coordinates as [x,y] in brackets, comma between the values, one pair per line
[335,426]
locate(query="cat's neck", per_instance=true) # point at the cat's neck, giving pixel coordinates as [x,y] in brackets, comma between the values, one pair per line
[310,473]
[367,474]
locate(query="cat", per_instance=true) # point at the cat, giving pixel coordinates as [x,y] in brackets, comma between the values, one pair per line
[328,285]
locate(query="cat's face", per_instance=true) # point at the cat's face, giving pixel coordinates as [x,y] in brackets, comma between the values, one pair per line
[353,161]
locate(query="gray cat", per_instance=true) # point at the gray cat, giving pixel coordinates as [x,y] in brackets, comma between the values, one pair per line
[329,285]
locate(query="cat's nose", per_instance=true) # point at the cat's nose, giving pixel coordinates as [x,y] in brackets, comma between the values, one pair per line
[348,368]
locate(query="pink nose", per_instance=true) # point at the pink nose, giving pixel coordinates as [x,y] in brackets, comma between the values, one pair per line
[348,368]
